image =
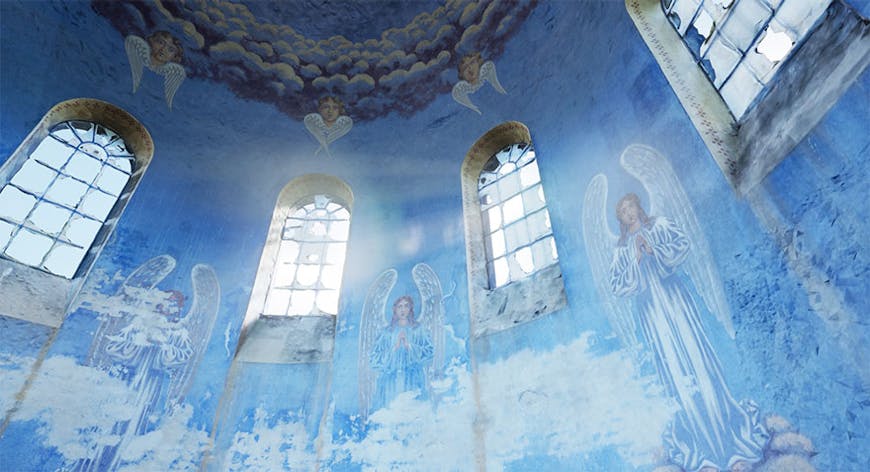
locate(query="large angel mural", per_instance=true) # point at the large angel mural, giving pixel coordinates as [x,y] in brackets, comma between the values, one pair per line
[329,123]
[473,72]
[656,282]
[144,340]
[161,53]
[401,351]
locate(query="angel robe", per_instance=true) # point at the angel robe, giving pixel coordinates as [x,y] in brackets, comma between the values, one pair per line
[401,368]
[711,428]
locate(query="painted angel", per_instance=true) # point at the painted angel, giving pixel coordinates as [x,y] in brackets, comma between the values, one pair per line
[657,282]
[329,123]
[144,339]
[161,53]
[401,352]
[473,72]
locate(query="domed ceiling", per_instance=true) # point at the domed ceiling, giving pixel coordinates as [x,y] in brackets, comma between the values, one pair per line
[376,57]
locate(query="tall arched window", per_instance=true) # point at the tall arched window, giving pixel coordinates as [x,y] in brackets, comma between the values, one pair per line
[295,298]
[61,193]
[513,269]
[754,76]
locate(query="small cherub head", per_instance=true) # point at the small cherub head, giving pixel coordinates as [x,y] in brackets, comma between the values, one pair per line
[330,108]
[403,312]
[469,67]
[165,48]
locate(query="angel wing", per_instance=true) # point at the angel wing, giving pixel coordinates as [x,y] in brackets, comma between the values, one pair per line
[488,74]
[600,244]
[372,322]
[431,314]
[173,75]
[667,198]
[146,277]
[139,54]
[460,93]
[199,322]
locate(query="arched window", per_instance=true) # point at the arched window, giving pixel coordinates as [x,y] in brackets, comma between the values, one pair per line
[295,298]
[61,193]
[754,76]
[513,269]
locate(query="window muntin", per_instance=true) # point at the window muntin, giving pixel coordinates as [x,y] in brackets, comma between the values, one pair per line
[53,207]
[740,44]
[306,279]
[518,237]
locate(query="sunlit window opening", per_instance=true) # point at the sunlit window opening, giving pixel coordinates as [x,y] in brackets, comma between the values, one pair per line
[307,275]
[54,205]
[741,43]
[519,240]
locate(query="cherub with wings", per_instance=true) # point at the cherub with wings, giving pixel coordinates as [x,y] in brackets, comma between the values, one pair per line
[160,52]
[144,340]
[329,123]
[656,280]
[473,72]
[401,352]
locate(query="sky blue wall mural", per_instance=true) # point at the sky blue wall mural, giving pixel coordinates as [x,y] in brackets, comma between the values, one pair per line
[731,333]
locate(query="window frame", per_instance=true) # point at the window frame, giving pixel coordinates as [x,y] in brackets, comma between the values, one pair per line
[520,301]
[289,339]
[828,60]
[20,281]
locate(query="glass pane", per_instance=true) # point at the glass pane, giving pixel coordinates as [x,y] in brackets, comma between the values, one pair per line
[104,136]
[516,235]
[330,277]
[95,151]
[335,253]
[313,231]
[301,302]
[507,168]
[489,196]
[523,258]
[66,191]
[112,180]
[682,13]
[29,247]
[500,270]
[529,174]
[311,253]
[509,185]
[516,270]
[740,90]
[292,228]
[496,241]
[747,19]
[539,225]
[532,199]
[284,273]
[6,230]
[81,231]
[342,214]
[15,204]
[64,259]
[34,177]
[527,156]
[338,230]
[49,218]
[513,209]
[52,153]
[97,204]
[83,167]
[276,302]
[327,301]
[800,15]
[307,275]
[722,58]
[120,163]
[492,219]
[288,251]
[65,134]
[543,252]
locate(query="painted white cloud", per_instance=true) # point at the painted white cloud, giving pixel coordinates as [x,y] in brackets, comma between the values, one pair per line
[173,446]
[283,446]
[14,371]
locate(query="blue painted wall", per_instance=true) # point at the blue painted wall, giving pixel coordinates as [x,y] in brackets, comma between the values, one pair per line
[558,393]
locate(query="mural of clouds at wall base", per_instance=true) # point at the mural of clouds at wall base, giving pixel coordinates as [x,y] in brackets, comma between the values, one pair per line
[267,60]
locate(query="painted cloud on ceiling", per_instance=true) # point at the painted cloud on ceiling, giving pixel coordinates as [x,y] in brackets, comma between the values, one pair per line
[403,70]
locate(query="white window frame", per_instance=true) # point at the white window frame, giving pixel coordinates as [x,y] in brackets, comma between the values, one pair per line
[40,297]
[519,301]
[283,339]
[819,70]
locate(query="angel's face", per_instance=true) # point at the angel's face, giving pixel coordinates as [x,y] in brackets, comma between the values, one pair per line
[469,69]
[163,49]
[403,311]
[329,110]
[629,213]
